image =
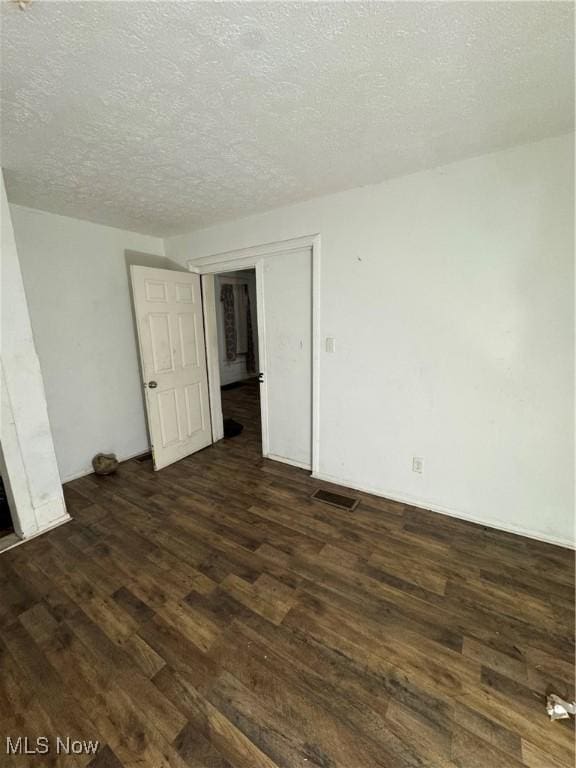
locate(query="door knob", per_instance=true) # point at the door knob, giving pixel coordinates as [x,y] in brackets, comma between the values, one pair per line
[152,384]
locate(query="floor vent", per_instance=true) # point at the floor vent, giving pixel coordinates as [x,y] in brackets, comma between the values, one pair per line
[336,500]
[143,457]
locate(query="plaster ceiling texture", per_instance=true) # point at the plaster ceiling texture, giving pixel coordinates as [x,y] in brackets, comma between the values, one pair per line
[163,117]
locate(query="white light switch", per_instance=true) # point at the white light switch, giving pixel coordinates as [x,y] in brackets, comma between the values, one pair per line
[330,344]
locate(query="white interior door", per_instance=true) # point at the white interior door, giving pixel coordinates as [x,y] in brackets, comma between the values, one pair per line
[168,308]
[286,360]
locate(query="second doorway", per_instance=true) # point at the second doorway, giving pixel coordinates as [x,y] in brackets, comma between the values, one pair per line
[260,351]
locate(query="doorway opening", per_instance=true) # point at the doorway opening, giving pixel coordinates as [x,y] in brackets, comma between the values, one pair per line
[287,328]
[6,525]
[235,338]
[6,522]
[238,356]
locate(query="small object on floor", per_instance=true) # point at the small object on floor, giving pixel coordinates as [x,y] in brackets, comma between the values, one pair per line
[558,708]
[105,463]
[336,499]
[232,428]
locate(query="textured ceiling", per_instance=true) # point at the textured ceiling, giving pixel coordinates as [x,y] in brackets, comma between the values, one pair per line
[165,116]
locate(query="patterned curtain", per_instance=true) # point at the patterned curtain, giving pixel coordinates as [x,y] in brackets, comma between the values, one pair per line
[250,358]
[227,298]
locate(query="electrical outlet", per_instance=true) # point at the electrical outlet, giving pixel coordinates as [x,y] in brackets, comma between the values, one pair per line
[330,344]
[417,464]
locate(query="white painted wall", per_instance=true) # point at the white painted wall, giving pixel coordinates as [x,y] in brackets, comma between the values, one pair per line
[76,280]
[28,462]
[450,296]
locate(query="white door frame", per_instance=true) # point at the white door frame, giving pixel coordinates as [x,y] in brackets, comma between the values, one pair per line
[253,258]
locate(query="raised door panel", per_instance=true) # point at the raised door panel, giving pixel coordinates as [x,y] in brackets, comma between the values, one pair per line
[161,343]
[169,415]
[195,415]
[188,340]
[156,290]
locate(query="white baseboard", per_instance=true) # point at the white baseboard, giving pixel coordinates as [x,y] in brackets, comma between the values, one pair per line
[90,470]
[76,475]
[284,460]
[14,540]
[9,542]
[423,504]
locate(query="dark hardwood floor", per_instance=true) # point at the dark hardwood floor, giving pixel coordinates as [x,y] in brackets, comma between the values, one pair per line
[212,615]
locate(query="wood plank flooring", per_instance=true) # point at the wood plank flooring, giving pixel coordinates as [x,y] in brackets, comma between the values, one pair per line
[212,615]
